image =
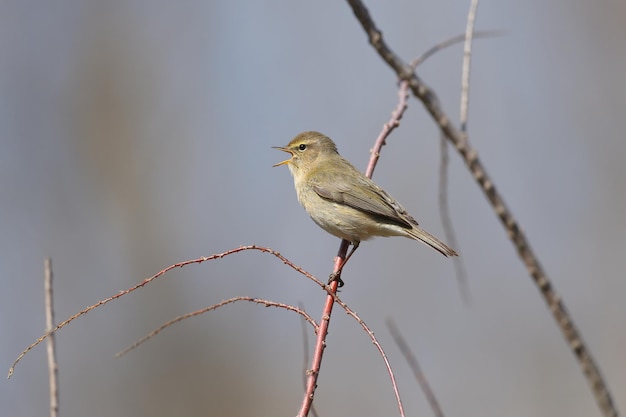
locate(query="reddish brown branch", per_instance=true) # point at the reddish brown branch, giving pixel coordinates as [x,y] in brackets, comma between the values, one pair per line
[469,155]
[396,115]
[320,342]
[314,372]
[266,303]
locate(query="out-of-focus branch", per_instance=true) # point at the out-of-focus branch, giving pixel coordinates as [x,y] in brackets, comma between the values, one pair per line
[53,367]
[379,347]
[444,207]
[470,157]
[446,222]
[467,58]
[415,367]
[451,41]
[305,356]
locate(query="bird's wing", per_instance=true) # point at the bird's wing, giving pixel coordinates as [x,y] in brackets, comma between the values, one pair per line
[370,199]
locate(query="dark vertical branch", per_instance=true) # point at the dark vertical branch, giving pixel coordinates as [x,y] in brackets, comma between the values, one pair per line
[469,155]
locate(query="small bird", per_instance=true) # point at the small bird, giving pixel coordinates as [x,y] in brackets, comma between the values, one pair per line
[342,200]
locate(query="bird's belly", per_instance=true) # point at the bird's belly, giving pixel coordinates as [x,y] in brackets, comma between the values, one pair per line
[348,223]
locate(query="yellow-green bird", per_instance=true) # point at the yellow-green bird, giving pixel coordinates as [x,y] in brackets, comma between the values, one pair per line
[342,200]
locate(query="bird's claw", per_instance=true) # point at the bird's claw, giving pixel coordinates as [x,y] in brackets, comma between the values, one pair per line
[335,277]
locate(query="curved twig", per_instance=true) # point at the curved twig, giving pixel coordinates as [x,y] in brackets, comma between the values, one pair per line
[451,41]
[266,303]
[152,278]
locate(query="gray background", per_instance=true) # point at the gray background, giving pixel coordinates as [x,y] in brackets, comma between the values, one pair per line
[136,134]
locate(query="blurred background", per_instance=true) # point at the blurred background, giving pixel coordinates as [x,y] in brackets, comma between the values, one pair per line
[137,134]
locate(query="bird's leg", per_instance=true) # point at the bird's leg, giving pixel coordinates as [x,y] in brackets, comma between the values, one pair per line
[336,276]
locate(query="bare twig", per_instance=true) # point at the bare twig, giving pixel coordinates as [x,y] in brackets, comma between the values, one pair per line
[470,157]
[266,303]
[53,367]
[446,218]
[152,278]
[467,58]
[320,341]
[444,207]
[451,41]
[339,260]
[396,115]
[305,355]
[305,344]
[415,367]
[446,222]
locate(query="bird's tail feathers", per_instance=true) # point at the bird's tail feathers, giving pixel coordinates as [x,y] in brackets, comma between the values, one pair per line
[425,237]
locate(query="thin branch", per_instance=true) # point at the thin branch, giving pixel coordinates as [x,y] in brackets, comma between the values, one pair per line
[467,58]
[451,41]
[305,344]
[266,303]
[152,278]
[320,342]
[53,367]
[470,157]
[305,355]
[415,367]
[444,207]
[396,115]
[446,218]
[446,222]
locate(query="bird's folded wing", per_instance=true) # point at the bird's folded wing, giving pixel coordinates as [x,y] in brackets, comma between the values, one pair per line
[370,198]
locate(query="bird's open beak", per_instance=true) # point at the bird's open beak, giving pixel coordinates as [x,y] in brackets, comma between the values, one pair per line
[286,161]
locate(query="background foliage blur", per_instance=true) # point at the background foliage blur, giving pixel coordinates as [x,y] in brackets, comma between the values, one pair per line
[135,134]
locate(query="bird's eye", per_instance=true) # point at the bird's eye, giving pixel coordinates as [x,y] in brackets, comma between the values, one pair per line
[302,146]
